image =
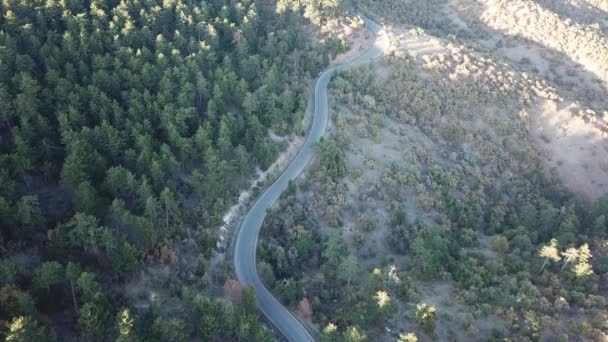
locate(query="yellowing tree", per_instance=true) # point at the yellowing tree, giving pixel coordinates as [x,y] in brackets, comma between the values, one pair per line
[580,257]
[27,329]
[583,267]
[382,298]
[330,333]
[330,328]
[584,253]
[409,337]
[125,326]
[549,252]
[354,334]
[392,276]
[570,255]
[425,315]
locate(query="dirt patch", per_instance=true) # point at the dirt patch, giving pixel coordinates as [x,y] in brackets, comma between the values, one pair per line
[357,37]
[574,145]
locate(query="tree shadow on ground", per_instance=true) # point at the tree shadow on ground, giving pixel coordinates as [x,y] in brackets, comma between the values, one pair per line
[584,14]
[591,91]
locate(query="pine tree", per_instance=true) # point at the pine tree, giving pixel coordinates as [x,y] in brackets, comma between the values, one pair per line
[549,252]
[348,270]
[126,326]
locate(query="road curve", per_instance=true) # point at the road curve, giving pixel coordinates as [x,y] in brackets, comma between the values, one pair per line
[247,236]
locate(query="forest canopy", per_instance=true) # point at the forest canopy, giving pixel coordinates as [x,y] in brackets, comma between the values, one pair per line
[122,125]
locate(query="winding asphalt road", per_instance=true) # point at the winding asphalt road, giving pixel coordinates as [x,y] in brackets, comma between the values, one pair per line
[247,236]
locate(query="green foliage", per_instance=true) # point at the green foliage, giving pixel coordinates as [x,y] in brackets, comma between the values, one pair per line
[581,327]
[531,326]
[289,290]
[500,244]
[334,248]
[334,46]
[28,215]
[209,327]
[250,305]
[14,301]
[48,274]
[425,315]
[354,334]
[89,286]
[84,233]
[331,158]
[171,329]
[94,317]
[125,124]
[8,272]
[212,320]
[433,251]
[316,11]
[93,320]
[302,240]
[374,282]
[348,271]
[400,232]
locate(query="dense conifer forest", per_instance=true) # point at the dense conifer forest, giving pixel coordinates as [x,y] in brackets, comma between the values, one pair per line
[124,124]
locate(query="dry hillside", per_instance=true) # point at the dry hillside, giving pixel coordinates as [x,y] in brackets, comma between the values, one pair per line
[460,193]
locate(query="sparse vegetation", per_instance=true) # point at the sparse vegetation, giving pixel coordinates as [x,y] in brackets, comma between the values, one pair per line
[457,193]
[586,44]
